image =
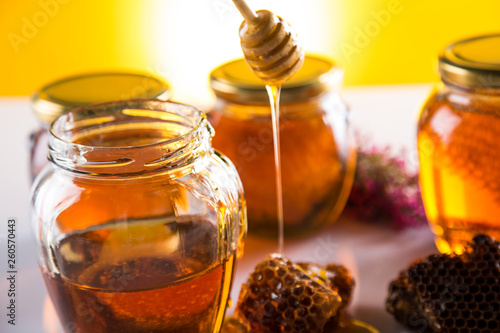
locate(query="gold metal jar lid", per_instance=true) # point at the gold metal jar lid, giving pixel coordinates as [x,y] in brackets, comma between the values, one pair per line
[472,62]
[235,81]
[59,97]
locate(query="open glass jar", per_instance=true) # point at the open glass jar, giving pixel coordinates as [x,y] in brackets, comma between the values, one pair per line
[317,148]
[458,143]
[58,97]
[138,220]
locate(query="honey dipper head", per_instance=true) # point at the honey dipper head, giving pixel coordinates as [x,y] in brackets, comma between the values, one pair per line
[271,48]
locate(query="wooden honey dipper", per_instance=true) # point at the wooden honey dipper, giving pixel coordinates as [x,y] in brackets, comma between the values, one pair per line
[270,45]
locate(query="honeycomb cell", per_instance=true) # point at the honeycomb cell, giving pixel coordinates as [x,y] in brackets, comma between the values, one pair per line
[298,290]
[318,299]
[470,304]
[302,312]
[475,288]
[460,323]
[482,324]
[306,301]
[450,322]
[493,325]
[269,274]
[293,302]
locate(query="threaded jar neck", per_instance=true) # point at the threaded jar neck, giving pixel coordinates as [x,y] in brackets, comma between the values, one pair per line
[129,138]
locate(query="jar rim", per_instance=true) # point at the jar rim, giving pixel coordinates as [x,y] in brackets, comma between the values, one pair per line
[98,158]
[235,81]
[472,62]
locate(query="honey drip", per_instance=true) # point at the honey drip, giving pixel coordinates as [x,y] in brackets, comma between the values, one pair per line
[272,50]
[274,99]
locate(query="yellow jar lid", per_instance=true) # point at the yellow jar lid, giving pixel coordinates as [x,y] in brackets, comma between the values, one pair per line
[59,97]
[472,62]
[236,82]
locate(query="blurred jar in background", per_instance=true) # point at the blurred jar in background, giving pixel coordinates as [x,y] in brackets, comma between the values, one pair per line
[58,97]
[458,143]
[317,149]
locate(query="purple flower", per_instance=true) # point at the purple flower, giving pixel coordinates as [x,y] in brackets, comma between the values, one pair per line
[384,190]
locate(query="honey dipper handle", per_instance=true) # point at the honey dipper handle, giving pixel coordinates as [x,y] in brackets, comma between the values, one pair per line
[249,15]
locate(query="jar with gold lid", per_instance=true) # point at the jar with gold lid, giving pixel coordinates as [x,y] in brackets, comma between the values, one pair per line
[458,133]
[58,97]
[317,150]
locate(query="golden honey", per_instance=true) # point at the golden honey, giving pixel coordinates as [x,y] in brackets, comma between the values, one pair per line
[458,143]
[138,221]
[108,283]
[317,151]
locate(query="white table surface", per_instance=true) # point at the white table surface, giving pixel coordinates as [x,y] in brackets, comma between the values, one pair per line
[375,254]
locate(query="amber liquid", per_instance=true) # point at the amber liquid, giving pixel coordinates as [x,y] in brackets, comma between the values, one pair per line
[460,172]
[274,100]
[141,277]
[316,172]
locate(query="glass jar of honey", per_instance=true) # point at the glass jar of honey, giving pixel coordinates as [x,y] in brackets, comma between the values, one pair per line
[317,148]
[458,143]
[57,98]
[138,220]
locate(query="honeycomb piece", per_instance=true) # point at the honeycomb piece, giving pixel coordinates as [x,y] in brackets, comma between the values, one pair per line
[451,293]
[335,277]
[282,297]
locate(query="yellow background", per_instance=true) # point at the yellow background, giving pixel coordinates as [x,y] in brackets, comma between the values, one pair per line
[183,39]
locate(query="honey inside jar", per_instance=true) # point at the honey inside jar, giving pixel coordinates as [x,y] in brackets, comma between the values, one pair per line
[459,129]
[140,222]
[460,170]
[317,155]
[141,281]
